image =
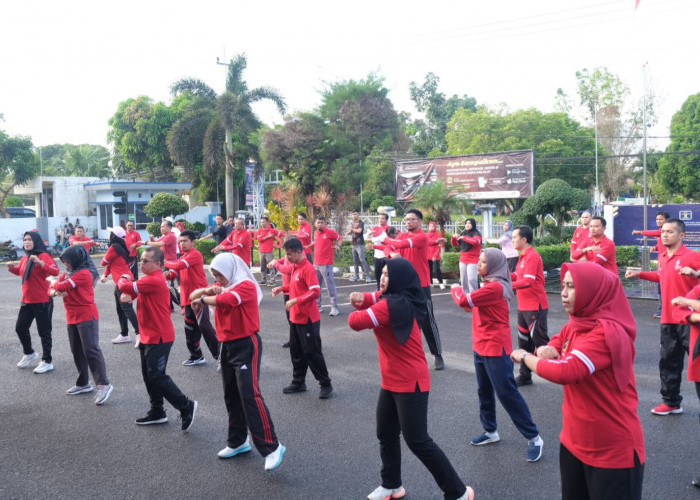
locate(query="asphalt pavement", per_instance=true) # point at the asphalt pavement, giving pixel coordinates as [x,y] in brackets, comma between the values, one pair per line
[60,446]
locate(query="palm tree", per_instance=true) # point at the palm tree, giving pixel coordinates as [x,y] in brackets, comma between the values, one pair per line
[436,200]
[232,123]
[87,160]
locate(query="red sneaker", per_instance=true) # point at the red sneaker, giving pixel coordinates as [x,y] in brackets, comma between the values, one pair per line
[664,409]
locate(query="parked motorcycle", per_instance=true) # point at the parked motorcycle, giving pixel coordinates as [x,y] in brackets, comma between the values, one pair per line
[8,250]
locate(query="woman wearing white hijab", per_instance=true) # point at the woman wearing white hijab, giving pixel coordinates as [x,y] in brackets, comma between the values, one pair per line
[236,297]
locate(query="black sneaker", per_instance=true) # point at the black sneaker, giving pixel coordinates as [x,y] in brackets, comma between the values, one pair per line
[194,361]
[439,363]
[286,345]
[521,381]
[187,416]
[292,388]
[696,481]
[325,392]
[152,418]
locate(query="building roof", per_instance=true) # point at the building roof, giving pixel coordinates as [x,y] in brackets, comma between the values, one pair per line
[110,185]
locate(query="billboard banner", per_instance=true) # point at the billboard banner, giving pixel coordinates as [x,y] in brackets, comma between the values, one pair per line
[630,217]
[489,176]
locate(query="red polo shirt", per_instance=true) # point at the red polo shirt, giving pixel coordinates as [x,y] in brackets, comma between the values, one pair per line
[240,243]
[490,318]
[190,267]
[266,245]
[73,239]
[115,265]
[80,301]
[237,314]
[303,286]
[304,234]
[323,247]
[580,240]
[414,248]
[131,238]
[153,307]
[528,281]
[36,289]
[170,246]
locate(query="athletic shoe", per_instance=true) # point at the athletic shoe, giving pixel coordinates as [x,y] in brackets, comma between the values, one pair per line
[121,339]
[194,361]
[657,315]
[521,381]
[468,495]
[137,341]
[263,282]
[325,392]
[43,367]
[79,389]
[383,493]
[218,365]
[274,459]
[152,418]
[286,345]
[187,416]
[368,280]
[355,278]
[486,438]
[229,452]
[103,392]
[442,286]
[334,311]
[272,284]
[27,360]
[292,388]
[696,481]
[664,409]
[439,363]
[534,449]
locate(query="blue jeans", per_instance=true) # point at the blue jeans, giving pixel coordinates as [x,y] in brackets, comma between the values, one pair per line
[325,273]
[495,374]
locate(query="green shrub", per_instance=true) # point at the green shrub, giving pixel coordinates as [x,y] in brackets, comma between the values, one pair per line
[546,240]
[567,233]
[450,262]
[627,255]
[448,243]
[205,247]
[154,229]
[553,256]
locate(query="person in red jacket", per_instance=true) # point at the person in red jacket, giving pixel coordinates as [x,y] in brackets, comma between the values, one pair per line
[266,235]
[661,217]
[600,249]
[436,244]
[325,242]
[116,262]
[602,443]
[157,337]
[168,244]
[79,238]
[285,268]
[82,319]
[305,346]
[491,340]
[469,243]
[580,238]
[533,305]
[190,268]
[133,242]
[687,310]
[413,246]
[674,333]
[236,297]
[34,267]
[393,313]
[239,242]
[304,234]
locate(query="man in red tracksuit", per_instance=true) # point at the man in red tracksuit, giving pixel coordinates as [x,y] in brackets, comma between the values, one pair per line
[266,235]
[533,306]
[413,246]
[581,236]
[674,334]
[133,242]
[239,242]
[157,337]
[600,249]
[190,268]
[305,342]
[304,234]
[324,243]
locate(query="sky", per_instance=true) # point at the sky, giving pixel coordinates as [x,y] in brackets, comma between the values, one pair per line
[66,66]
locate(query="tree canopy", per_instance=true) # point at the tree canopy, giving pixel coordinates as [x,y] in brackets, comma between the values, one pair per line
[19,164]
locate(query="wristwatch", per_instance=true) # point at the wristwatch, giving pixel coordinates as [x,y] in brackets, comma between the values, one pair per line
[522,359]
[201,299]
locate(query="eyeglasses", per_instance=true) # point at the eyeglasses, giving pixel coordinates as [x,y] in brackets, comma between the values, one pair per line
[146,261]
[410,219]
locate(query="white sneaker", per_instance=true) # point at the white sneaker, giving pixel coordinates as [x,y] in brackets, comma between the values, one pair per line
[383,493]
[229,452]
[103,392]
[79,389]
[43,367]
[27,360]
[468,495]
[274,459]
[442,286]
[121,339]
[137,340]
[334,311]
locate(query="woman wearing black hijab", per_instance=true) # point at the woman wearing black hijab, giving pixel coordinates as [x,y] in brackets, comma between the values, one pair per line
[394,312]
[82,319]
[116,262]
[34,267]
